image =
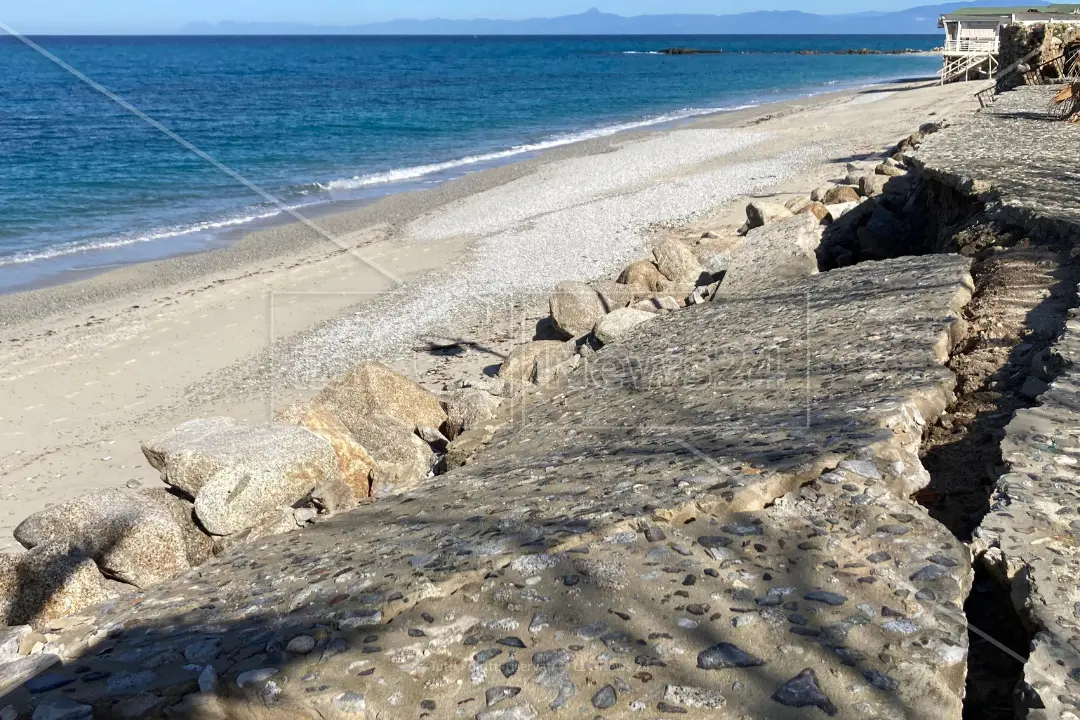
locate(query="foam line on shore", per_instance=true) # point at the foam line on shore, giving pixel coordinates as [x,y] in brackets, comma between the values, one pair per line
[75,248]
[419,171]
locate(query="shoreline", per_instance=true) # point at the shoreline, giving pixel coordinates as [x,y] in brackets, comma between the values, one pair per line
[263,232]
[95,367]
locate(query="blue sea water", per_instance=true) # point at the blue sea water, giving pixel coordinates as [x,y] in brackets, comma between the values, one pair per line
[85,184]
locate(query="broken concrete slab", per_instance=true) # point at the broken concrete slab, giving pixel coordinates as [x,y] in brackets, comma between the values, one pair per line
[1030,539]
[1023,180]
[673,522]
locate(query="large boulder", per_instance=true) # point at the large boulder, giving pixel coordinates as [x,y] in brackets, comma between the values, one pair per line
[138,537]
[372,387]
[401,458]
[882,237]
[238,473]
[615,295]
[762,212]
[658,304]
[18,670]
[676,262]
[11,641]
[468,408]
[575,308]
[189,455]
[354,462]
[889,169]
[798,203]
[774,255]
[50,582]
[840,194]
[618,324]
[643,275]
[520,364]
[873,185]
[817,209]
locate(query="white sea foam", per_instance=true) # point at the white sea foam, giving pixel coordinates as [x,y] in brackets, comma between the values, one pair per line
[124,240]
[419,171]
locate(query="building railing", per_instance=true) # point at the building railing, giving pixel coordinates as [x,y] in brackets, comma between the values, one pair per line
[988,46]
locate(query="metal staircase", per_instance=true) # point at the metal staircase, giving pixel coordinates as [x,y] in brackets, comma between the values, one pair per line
[960,67]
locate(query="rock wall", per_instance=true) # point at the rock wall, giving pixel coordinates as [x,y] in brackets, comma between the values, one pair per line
[1017,40]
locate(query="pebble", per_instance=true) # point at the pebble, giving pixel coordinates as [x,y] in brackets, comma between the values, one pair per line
[49,681]
[900,627]
[62,709]
[881,681]
[828,598]
[863,468]
[552,659]
[368,618]
[803,691]
[301,645]
[726,655]
[350,703]
[255,676]
[208,680]
[929,574]
[496,695]
[694,697]
[605,698]
[655,534]
[519,712]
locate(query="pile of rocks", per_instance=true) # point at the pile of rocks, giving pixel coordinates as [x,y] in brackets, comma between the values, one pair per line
[371,433]
[867,214]
[586,317]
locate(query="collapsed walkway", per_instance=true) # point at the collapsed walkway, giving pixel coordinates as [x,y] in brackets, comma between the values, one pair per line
[714,515]
[1025,167]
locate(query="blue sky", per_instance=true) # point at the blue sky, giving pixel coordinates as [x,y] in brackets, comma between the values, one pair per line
[127,16]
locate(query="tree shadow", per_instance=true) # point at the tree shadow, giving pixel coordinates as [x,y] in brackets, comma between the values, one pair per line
[395,600]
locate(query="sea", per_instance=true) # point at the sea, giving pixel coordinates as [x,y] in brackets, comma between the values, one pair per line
[88,182]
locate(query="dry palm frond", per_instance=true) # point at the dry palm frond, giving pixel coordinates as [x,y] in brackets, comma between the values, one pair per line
[1066,103]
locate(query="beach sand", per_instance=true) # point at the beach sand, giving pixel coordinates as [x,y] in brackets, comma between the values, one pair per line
[91,368]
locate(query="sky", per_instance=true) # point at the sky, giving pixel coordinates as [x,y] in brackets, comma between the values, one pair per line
[150,16]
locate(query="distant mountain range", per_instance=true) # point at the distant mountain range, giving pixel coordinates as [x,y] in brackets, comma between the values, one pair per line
[913,21]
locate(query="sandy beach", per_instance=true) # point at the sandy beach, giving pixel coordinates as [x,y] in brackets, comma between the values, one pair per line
[91,368]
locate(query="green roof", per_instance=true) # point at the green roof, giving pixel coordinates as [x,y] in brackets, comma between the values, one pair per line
[1016,10]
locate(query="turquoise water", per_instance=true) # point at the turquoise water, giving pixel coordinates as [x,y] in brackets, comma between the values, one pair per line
[84,183]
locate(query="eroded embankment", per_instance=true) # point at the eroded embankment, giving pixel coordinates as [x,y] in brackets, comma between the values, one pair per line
[1025,284]
[1022,292]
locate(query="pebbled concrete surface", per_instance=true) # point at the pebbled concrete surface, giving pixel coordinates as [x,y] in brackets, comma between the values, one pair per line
[663,533]
[1031,537]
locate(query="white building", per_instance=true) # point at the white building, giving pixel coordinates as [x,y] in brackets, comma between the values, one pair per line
[972,36]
